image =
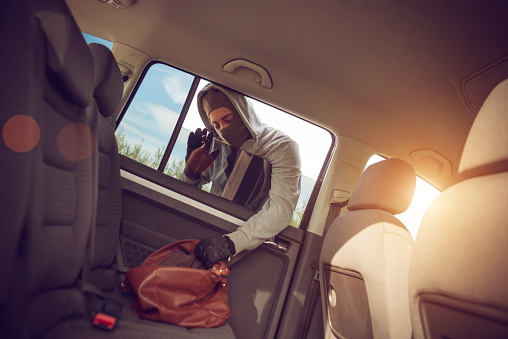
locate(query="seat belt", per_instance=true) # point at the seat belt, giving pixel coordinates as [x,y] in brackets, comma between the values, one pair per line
[111,309]
[313,293]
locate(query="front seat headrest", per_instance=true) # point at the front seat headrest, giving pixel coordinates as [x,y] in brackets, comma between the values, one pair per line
[388,185]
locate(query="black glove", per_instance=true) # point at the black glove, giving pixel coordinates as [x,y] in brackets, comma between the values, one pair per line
[196,140]
[211,250]
[200,159]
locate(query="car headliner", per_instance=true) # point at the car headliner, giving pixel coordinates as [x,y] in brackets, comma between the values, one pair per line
[386,73]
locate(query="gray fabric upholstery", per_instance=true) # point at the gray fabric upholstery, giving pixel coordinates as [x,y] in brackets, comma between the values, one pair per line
[57,213]
[16,95]
[371,247]
[66,56]
[130,325]
[459,276]
[51,192]
[108,80]
[108,92]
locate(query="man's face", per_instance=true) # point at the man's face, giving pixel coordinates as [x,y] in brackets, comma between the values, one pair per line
[221,117]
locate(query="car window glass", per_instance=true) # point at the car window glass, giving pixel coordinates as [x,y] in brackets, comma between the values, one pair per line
[425,193]
[93,39]
[152,115]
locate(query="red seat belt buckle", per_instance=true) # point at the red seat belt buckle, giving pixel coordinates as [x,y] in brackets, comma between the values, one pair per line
[104,321]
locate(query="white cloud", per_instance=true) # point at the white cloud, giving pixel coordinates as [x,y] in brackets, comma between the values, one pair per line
[150,123]
[175,88]
[164,117]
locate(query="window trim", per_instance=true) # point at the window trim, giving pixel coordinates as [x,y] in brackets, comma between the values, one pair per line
[181,117]
[179,124]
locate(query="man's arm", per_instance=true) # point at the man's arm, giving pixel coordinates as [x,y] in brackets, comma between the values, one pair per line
[276,213]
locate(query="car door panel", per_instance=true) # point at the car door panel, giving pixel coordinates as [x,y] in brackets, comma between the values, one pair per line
[154,215]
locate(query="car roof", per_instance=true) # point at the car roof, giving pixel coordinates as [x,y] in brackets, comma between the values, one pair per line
[390,74]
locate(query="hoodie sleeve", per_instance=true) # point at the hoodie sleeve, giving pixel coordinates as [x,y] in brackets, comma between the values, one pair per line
[276,213]
[205,179]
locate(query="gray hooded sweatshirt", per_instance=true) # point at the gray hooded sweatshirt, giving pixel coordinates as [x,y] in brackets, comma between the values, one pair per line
[283,155]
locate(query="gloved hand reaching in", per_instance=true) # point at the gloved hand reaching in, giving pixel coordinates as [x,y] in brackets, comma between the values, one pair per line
[199,158]
[211,250]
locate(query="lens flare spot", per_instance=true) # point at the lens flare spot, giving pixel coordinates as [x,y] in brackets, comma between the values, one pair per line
[76,142]
[21,133]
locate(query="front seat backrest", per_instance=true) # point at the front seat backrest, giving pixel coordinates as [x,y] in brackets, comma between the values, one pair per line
[459,271]
[365,258]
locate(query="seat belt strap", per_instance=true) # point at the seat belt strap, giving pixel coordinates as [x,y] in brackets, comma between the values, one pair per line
[105,319]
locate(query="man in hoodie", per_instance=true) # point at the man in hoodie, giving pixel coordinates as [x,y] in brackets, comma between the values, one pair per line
[230,118]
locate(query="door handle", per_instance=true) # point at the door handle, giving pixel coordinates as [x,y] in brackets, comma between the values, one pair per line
[278,244]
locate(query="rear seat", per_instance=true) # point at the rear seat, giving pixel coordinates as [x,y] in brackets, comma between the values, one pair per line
[107,93]
[53,192]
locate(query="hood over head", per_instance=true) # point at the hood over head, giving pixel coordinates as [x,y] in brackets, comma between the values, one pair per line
[239,106]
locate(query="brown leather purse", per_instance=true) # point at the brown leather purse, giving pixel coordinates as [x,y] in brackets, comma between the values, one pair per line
[172,286]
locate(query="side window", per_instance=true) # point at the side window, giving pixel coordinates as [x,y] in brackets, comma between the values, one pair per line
[425,193]
[156,123]
[93,39]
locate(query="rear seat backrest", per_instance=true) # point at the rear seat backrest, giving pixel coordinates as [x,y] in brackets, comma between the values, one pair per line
[60,206]
[108,93]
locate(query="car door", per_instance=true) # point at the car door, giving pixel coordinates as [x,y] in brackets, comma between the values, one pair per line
[158,208]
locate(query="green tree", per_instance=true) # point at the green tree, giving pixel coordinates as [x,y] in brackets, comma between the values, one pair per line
[298,214]
[175,168]
[136,152]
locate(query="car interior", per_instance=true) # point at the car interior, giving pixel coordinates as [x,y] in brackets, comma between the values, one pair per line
[400,114]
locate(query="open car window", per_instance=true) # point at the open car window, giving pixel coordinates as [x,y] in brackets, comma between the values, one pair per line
[155,124]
